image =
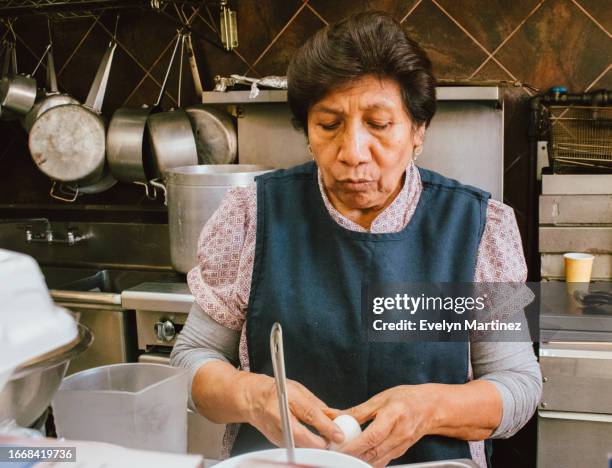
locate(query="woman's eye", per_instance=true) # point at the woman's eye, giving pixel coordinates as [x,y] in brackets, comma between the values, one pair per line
[329,127]
[378,125]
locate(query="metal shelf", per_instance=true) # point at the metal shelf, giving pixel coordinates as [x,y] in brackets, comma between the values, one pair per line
[444,93]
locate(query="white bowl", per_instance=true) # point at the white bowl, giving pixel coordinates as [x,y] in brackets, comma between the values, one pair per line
[316,457]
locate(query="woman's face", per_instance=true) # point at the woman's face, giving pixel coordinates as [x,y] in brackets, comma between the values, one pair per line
[362,140]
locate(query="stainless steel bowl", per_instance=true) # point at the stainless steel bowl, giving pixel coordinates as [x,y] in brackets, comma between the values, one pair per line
[32,386]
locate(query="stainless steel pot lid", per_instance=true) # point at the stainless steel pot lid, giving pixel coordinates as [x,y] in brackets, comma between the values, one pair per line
[216,174]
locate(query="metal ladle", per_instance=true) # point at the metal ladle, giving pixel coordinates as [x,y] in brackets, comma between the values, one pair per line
[278,364]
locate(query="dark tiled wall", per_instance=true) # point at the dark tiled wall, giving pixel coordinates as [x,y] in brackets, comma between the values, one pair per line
[538,42]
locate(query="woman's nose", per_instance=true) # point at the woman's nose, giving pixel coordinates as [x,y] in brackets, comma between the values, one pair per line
[354,149]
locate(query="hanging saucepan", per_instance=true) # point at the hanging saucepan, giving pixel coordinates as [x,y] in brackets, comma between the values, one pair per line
[7,68]
[68,142]
[18,91]
[171,137]
[127,148]
[51,98]
[213,129]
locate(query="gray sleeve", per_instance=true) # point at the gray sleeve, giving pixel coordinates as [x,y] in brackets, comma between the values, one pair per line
[203,340]
[514,370]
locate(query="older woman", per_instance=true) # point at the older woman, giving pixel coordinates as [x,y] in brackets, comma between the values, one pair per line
[296,246]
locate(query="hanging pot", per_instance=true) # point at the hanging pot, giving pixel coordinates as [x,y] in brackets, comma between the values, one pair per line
[7,114]
[171,137]
[50,99]
[215,134]
[127,150]
[213,129]
[68,142]
[18,91]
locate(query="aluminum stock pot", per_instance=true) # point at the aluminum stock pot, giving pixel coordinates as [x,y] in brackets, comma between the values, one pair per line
[194,194]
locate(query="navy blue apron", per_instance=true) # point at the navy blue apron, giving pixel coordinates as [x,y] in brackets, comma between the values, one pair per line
[308,273]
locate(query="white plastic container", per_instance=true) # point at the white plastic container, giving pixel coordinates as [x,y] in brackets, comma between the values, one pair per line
[142,406]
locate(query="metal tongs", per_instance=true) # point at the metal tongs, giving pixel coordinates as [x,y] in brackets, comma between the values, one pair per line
[278,364]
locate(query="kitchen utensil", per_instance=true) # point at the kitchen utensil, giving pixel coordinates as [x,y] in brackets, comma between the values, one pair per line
[213,129]
[193,64]
[32,386]
[127,153]
[228,27]
[18,91]
[215,134]
[7,68]
[194,194]
[303,456]
[170,135]
[189,46]
[280,378]
[135,405]
[68,142]
[69,193]
[52,98]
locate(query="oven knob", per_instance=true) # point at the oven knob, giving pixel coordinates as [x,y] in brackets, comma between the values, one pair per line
[165,330]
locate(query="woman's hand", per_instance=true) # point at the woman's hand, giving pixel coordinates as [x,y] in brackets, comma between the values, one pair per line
[305,408]
[400,417]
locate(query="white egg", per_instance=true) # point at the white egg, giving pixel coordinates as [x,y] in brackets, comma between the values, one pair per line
[349,426]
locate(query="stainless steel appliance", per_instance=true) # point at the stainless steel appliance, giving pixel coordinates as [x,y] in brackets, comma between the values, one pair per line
[161,310]
[94,295]
[575,414]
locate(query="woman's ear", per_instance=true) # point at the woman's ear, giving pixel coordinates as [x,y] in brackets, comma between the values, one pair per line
[418,135]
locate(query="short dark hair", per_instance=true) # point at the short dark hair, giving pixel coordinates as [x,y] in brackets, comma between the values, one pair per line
[366,43]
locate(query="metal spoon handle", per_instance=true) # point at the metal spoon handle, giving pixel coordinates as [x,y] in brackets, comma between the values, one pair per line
[278,364]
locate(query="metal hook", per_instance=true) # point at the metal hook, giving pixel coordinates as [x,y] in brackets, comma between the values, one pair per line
[146,188]
[49,30]
[184,14]
[180,80]
[72,199]
[116,26]
[42,57]
[181,15]
[10,25]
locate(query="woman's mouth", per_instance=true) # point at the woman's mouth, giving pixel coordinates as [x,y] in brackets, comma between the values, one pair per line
[356,185]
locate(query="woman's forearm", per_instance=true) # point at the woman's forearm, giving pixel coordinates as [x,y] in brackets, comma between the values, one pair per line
[223,394]
[469,411]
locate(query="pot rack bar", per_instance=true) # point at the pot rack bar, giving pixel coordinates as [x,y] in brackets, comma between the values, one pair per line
[66,9]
